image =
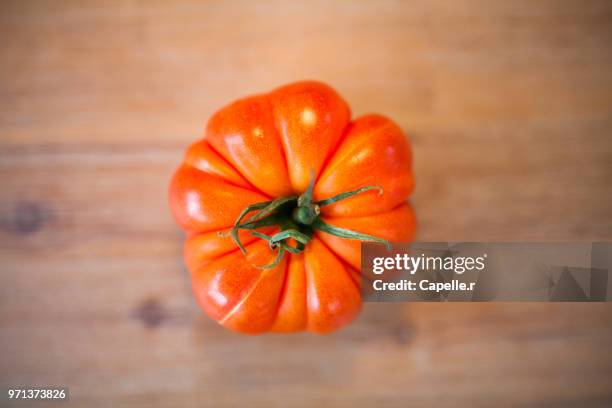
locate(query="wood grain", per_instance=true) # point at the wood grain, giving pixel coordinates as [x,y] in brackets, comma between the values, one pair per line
[508,106]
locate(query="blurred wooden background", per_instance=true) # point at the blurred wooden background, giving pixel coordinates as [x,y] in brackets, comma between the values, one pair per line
[509,107]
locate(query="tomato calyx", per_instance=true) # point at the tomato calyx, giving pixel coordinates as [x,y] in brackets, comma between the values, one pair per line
[298,218]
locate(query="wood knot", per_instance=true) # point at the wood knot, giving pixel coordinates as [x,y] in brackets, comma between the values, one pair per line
[151,313]
[26,218]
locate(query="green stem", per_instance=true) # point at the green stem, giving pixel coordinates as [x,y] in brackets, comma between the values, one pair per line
[279,257]
[348,194]
[288,247]
[264,222]
[290,233]
[271,207]
[346,233]
[239,219]
[297,223]
[305,199]
[306,212]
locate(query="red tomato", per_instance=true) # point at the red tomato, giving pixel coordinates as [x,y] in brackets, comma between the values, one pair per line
[290,149]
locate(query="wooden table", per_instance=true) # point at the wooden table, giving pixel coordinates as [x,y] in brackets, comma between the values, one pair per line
[508,105]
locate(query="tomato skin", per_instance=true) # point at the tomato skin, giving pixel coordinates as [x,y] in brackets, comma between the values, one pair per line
[267,146]
[202,248]
[202,156]
[332,296]
[396,225]
[203,202]
[292,309]
[310,118]
[233,291]
[374,151]
[245,134]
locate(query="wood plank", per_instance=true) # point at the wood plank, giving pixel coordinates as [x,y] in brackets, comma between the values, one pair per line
[509,109]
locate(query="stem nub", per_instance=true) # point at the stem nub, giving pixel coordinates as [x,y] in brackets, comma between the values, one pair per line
[306,215]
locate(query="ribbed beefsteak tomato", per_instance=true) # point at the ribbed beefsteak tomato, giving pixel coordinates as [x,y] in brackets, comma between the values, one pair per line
[275,200]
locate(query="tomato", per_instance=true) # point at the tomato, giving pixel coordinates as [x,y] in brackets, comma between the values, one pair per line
[275,200]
